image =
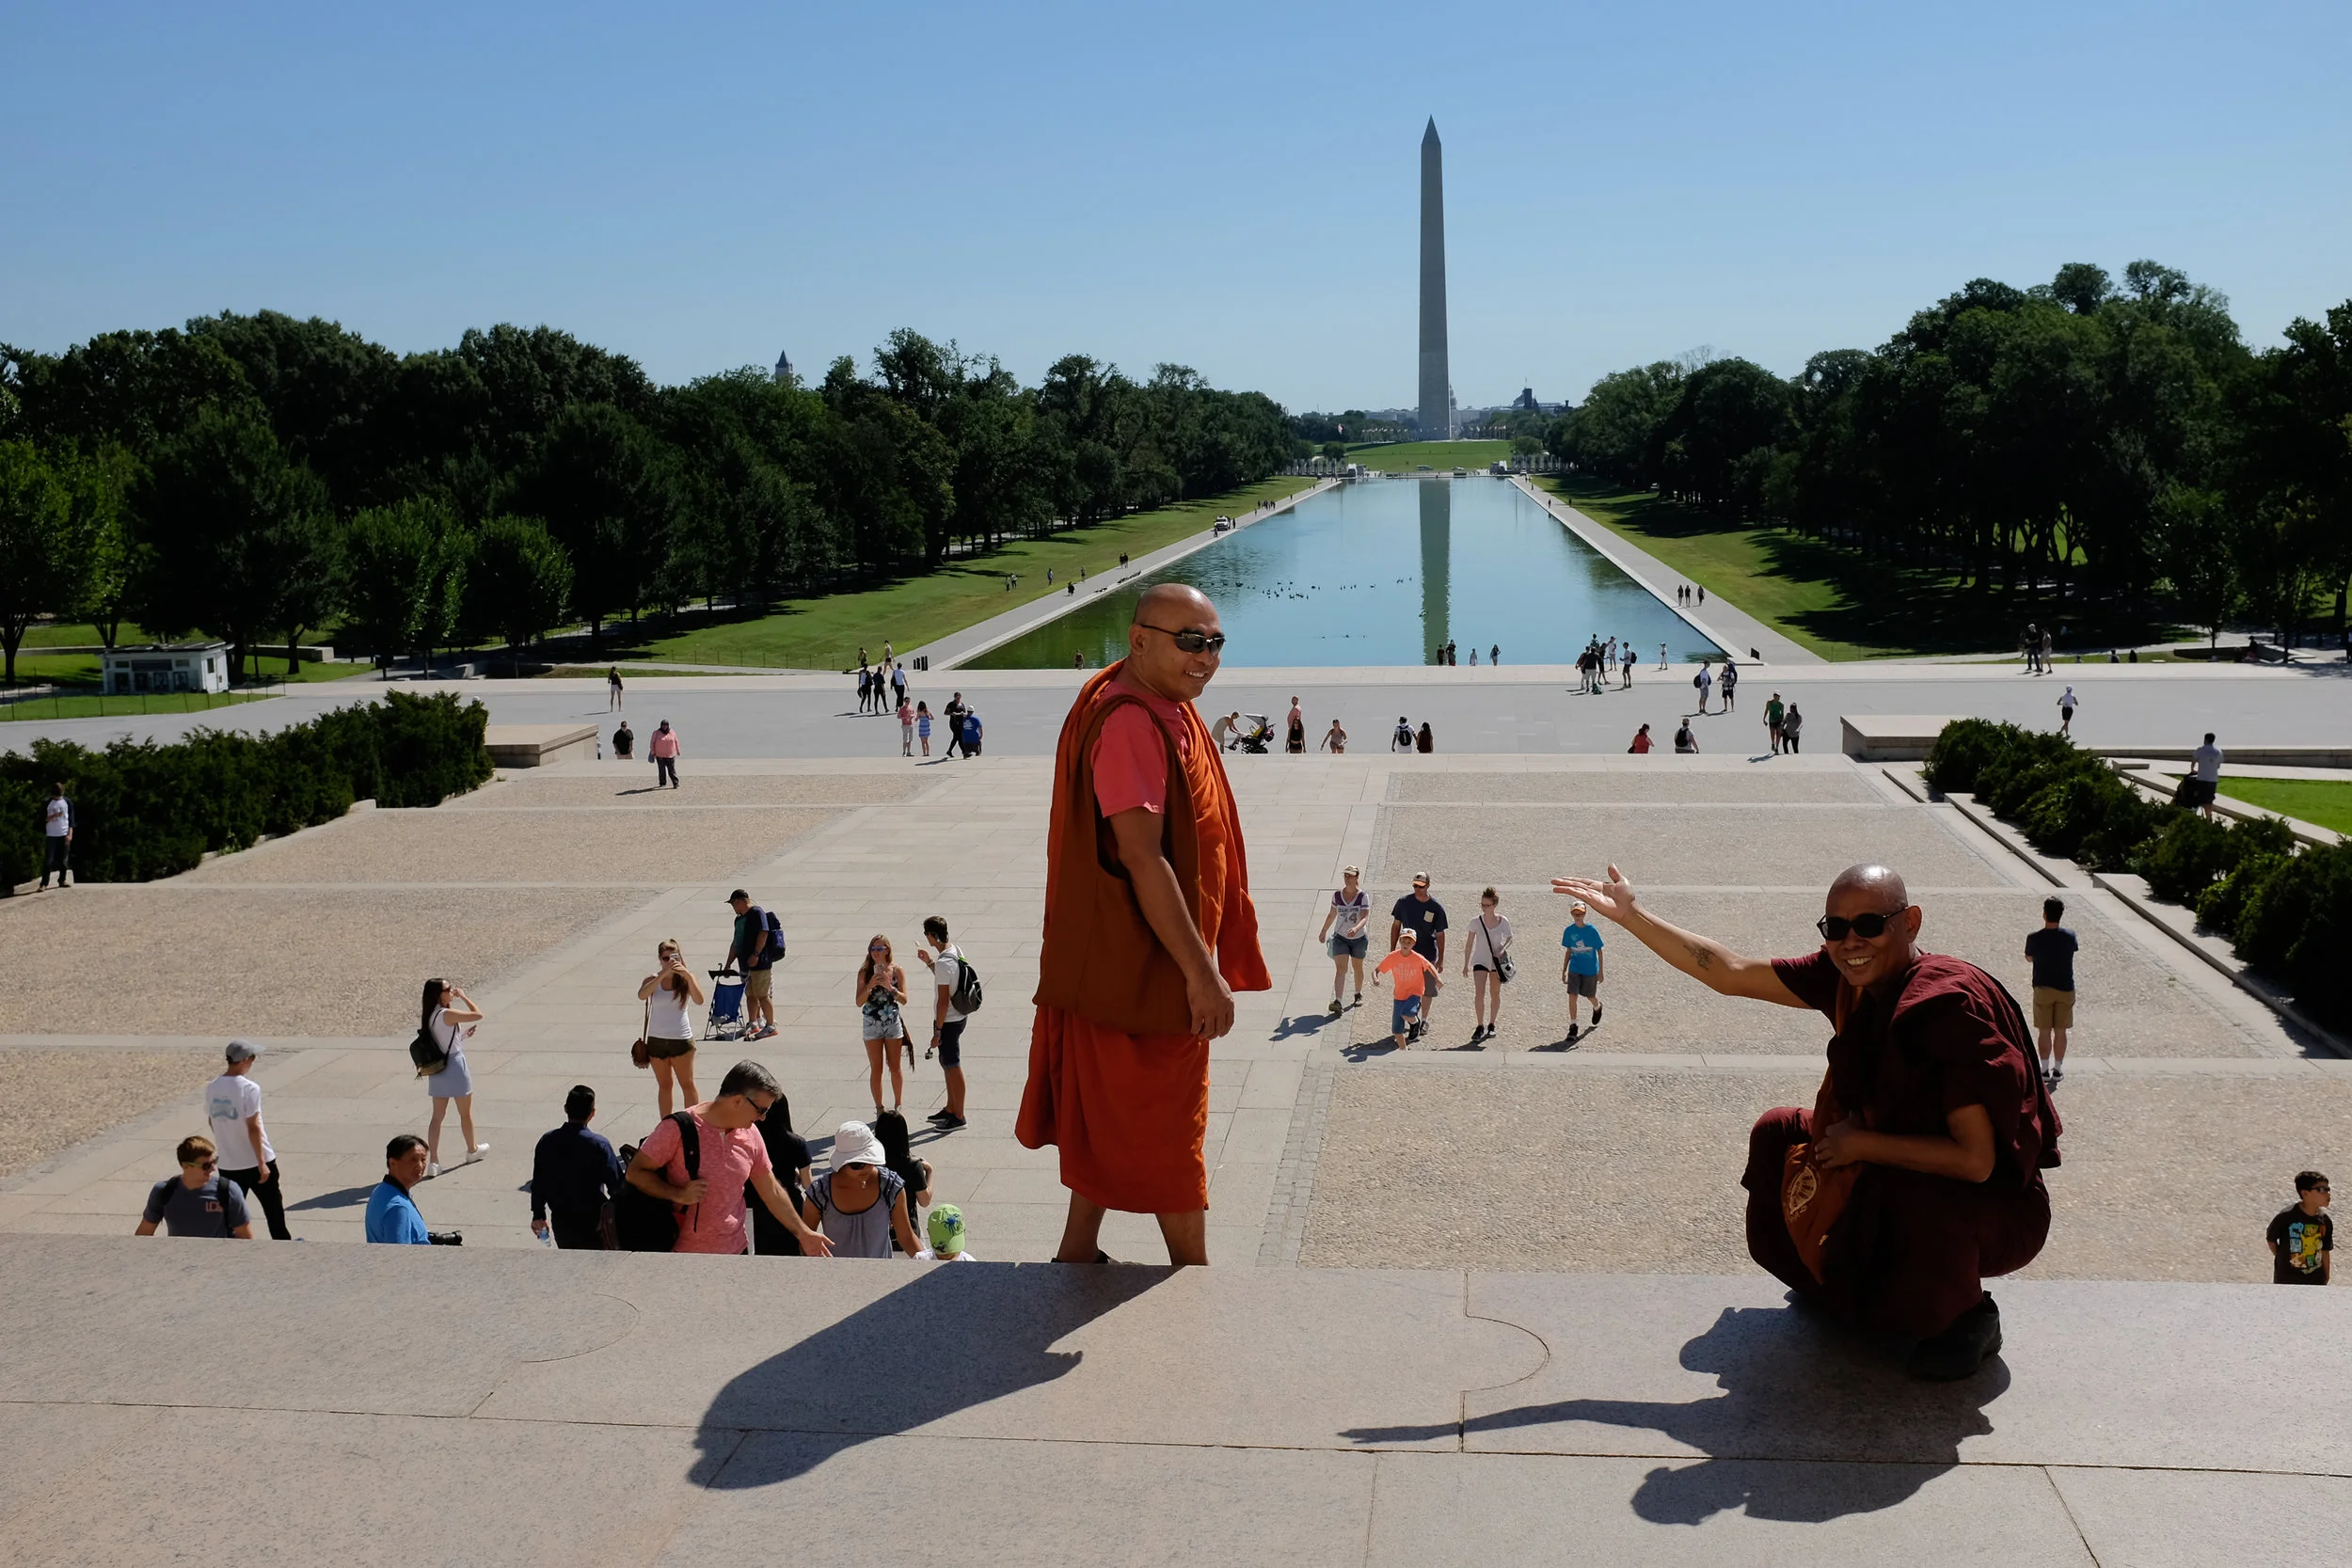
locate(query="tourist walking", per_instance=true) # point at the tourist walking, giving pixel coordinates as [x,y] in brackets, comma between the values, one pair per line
[1705,681]
[612,690]
[1346,935]
[1686,744]
[392,1216]
[1486,959]
[1416,983]
[2302,1236]
[1295,728]
[56,836]
[757,943]
[2203,783]
[860,1203]
[668,992]
[923,726]
[890,1131]
[898,679]
[1773,712]
[787,1156]
[906,727]
[1641,742]
[1335,739]
[2066,712]
[233,1103]
[1792,729]
[575,1177]
[880,989]
[953,713]
[1731,682]
[945,962]
[1625,668]
[1494,655]
[731,1159]
[1661,655]
[1581,947]
[1402,739]
[664,748]
[2052,950]
[1422,915]
[1423,740]
[1929,1101]
[200,1201]
[2047,644]
[449,1017]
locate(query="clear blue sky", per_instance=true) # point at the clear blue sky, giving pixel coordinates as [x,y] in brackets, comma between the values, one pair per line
[1230,186]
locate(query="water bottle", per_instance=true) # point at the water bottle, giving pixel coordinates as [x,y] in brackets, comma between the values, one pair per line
[548,1241]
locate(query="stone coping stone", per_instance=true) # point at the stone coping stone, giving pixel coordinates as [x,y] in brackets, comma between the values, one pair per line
[1891,737]
[1608,786]
[539,745]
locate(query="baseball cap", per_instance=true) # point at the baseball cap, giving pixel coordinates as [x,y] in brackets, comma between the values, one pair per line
[243,1051]
[739,893]
[946,1229]
[1421,879]
[1351,871]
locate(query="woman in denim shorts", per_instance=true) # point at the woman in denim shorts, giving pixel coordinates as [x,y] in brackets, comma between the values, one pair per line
[1351,911]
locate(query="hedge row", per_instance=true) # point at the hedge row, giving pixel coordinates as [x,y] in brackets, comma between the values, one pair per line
[2288,914]
[144,810]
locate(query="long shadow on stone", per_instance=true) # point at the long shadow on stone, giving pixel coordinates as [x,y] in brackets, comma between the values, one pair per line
[1815,1423]
[955,1337]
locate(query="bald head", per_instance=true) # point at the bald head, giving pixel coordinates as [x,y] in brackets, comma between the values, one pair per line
[1156,661]
[1881,885]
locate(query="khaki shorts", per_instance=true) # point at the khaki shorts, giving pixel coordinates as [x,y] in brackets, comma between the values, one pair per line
[758,983]
[2053,1009]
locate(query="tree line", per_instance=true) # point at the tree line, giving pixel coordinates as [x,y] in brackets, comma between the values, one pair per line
[257,478]
[2083,446]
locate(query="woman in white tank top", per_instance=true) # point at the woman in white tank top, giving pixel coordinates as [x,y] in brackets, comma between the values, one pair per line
[668,992]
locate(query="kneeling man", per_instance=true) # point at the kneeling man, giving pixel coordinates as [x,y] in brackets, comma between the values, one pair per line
[1932,1090]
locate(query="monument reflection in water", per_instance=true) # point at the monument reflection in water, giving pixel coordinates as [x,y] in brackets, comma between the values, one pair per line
[1384,572]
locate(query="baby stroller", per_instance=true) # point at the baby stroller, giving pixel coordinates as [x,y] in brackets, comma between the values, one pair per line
[1258,736]
[727,1020]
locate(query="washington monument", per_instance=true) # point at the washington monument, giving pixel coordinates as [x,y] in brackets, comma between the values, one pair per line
[1436,383]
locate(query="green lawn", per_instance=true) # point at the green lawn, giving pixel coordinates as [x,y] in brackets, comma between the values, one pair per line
[82,669]
[69,635]
[826,633]
[94,707]
[1444,456]
[1836,601]
[2326,803]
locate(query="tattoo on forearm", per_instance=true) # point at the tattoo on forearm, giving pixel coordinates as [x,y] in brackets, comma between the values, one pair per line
[1700,955]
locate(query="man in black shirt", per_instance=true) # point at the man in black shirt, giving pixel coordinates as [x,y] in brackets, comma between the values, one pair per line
[2052,950]
[1426,918]
[953,712]
[2303,1238]
[574,1174]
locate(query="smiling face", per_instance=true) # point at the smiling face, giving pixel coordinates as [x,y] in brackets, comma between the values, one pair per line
[1870,890]
[1165,613]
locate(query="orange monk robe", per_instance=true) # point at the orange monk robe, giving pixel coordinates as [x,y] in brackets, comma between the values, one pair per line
[1117,1078]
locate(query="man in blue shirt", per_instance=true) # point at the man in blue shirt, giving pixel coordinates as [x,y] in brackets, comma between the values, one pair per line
[2052,950]
[574,1174]
[391,1213]
[1580,965]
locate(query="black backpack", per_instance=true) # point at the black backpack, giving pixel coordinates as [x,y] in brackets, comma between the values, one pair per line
[425,1054]
[642,1222]
[965,998]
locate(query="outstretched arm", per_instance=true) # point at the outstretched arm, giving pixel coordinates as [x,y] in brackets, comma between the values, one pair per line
[1703,959]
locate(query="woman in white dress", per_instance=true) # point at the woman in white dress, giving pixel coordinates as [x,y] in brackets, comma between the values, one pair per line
[449,1015]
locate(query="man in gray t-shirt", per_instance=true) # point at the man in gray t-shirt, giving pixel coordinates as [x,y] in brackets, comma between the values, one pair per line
[200,1201]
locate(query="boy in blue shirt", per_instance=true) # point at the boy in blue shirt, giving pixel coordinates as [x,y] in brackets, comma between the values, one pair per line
[1579,966]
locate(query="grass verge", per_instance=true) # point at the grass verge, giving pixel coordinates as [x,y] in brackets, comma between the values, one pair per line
[826,633]
[92,706]
[2323,803]
[1444,456]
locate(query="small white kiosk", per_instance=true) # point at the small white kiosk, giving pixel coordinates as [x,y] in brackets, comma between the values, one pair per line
[165,667]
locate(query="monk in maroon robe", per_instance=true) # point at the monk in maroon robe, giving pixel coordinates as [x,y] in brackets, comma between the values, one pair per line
[1932,1090]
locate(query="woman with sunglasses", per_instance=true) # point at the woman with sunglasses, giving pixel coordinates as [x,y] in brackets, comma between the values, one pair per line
[860,1204]
[667,992]
[449,1016]
[1932,1097]
[882,991]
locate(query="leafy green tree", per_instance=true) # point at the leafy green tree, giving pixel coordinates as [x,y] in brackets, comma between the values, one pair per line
[45,547]
[519,583]
[608,490]
[2198,558]
[1334,451]
[389,555]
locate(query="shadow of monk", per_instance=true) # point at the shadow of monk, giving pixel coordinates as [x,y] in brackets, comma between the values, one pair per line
[951,1338]
[1815,1423]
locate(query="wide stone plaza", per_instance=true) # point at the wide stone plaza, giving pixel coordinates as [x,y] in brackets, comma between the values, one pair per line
[1464,1303]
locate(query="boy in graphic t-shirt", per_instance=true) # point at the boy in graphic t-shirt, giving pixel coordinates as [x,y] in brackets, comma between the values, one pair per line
[2303,1238]
[1414,977]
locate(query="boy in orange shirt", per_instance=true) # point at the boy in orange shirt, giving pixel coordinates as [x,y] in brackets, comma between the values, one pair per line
[1415,977]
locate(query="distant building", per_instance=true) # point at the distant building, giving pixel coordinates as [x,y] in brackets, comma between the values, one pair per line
[165,667]
[1526,400]
[784,367]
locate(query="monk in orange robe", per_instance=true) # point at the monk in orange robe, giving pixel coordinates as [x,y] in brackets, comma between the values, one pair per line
[1148,933]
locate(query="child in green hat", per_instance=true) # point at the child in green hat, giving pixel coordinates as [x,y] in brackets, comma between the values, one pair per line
[947,1237]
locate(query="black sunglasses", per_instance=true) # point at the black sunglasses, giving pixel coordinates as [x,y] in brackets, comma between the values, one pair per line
[1190,641]
[1869,927]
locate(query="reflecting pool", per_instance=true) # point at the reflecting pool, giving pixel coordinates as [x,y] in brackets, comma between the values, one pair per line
[1384,572]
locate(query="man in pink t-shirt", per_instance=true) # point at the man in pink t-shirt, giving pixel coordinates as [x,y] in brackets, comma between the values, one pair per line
[662,748]
[711,1214]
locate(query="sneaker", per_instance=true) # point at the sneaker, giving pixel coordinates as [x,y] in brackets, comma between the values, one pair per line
[1596,1015]
[1335,1007]
[2057,1075]
[432,1169]
[946,1124]
[936,1115]
[764,1031]
[1360,999]
[476,1152]
[1574,1031]
[1959,1349]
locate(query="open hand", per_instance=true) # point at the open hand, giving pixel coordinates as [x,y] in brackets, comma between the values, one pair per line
[1613,898]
